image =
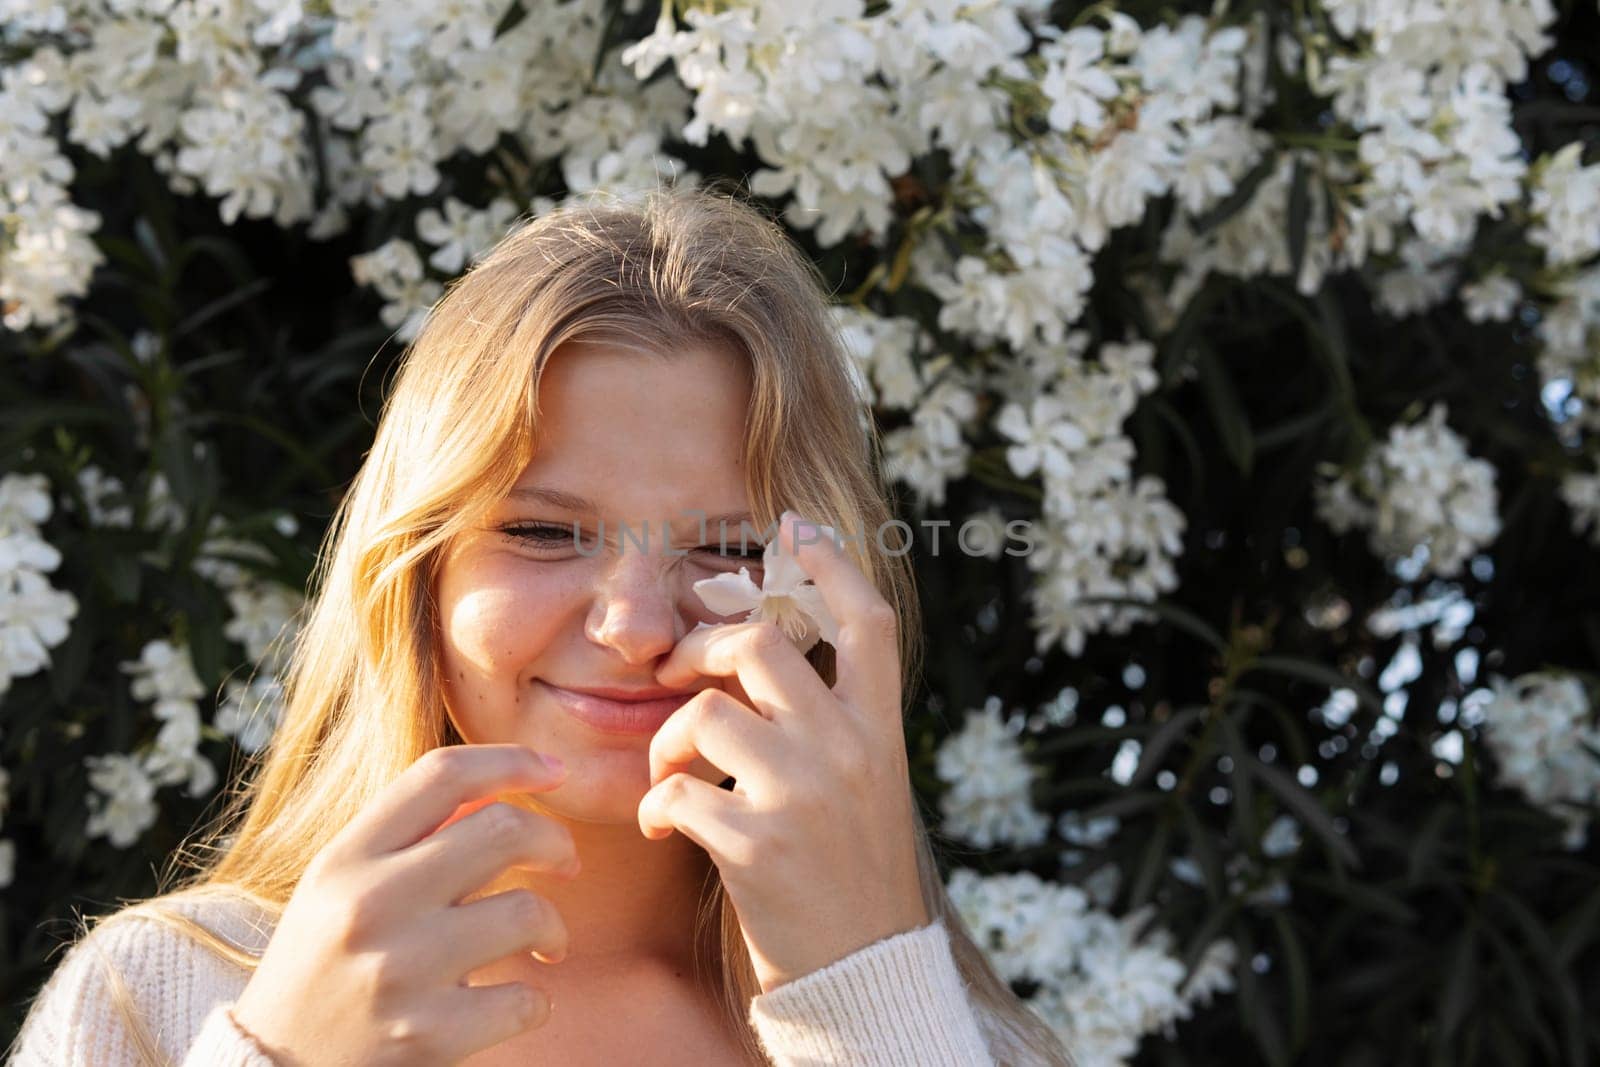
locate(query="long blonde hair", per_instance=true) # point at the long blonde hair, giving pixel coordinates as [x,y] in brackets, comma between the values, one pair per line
[363,695]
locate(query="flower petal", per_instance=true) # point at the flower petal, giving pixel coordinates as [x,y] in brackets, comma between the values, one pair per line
[728,594]
[809,598]
[781,567]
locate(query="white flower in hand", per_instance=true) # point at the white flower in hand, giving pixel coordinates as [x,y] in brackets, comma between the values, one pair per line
[786,596]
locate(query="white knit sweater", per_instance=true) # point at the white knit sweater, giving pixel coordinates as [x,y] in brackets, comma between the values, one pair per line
[899,1002]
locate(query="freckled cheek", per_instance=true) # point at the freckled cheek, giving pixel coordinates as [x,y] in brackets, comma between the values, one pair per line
[503,625]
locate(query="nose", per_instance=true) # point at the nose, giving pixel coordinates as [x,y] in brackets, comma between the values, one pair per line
[635,609]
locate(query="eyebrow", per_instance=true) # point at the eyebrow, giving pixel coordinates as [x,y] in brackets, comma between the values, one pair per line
[559,498]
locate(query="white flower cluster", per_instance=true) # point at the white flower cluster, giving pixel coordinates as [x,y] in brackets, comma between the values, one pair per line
[1104,982]
[1424,86]
[46,251]
[1128,116]
[216,97]
[264,622]
[1419,490]
[1566,204]
[123,803]
[164,675]
[1102,533]
[1581,492]
[1542,731]
[34,615]
[988,801]
[1058,138]
[1060,419]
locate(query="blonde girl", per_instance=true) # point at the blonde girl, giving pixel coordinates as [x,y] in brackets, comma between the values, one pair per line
[531,800]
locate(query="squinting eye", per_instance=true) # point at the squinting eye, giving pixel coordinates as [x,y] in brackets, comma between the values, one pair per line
[545,535]
[749,553]
[542,535]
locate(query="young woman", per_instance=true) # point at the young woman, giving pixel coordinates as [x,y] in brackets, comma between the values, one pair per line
[522,806]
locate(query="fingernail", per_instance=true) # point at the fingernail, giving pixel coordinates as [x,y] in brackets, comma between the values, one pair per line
[555,763]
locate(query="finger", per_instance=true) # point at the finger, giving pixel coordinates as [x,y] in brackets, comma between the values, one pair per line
[480,1016]
[867,660]
[451,863]
[706,814]
[429,791]
[476,934]
[775,674]
[716,727]
[463,810]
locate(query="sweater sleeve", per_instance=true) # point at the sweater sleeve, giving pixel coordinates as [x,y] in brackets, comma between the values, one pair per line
[179,989]
[898,1002]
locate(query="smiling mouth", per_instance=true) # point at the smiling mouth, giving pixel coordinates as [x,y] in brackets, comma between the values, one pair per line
[609,715]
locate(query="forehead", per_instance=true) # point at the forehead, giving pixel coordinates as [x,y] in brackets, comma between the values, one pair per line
[642,433]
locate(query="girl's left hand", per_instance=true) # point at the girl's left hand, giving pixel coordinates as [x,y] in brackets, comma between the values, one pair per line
[815,841]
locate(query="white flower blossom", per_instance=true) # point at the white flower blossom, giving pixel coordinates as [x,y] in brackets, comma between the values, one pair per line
[1418,489]
[786,596]
[1541,729]
[988,801]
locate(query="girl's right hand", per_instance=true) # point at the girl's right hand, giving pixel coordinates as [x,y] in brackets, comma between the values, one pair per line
[368,962]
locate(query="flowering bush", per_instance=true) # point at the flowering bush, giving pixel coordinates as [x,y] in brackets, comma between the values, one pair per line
[1280,324]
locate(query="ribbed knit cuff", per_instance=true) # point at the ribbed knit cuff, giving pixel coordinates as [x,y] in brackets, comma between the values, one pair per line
[221,1042]
[898,1002]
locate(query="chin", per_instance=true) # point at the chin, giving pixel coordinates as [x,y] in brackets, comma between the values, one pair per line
[602,786]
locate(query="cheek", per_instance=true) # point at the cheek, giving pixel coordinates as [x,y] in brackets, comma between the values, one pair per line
[497,620]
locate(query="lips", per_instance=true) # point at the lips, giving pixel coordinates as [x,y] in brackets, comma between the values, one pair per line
[620,711]
[623,695]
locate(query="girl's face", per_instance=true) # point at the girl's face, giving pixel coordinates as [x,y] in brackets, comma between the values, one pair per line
[528,613]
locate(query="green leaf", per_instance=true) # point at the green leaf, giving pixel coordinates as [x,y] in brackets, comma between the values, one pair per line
[203,628]
[1227,410]
[1299,216]
[1303,804]
[306,460]
[1167,735]
[1175,346]
[1455,995]
[69,661]
[1361,895]
[1172,612]
[1293,429]
[1191,447]
[1127,804]
[221,306]
[1294,959]
[1208,931]
[1318,674]
[1576,929]
[1544,953]
[1257,1015]
[1534,1027]
[174,454]
[121,571]
[1205,852]
[1151,864]
[1423,844]
[1236,200]
[1079,736]
[1244,799]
